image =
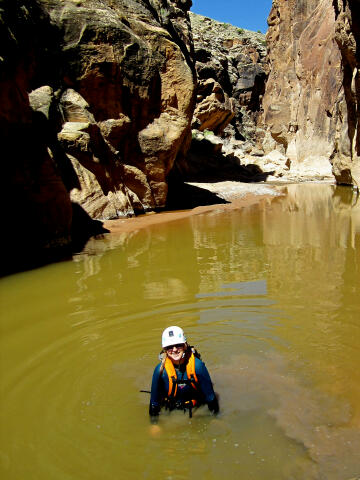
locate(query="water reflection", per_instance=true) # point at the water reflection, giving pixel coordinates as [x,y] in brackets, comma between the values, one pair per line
[304,246]
[270,296]
[317,422]
[258,287]
[317,215]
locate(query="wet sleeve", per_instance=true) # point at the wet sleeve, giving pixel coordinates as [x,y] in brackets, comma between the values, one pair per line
[155,397]
[206,386]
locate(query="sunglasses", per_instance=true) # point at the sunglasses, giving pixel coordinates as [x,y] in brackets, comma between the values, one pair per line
[178,345]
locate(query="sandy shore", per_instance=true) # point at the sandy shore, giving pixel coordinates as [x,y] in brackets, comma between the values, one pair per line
[238,195]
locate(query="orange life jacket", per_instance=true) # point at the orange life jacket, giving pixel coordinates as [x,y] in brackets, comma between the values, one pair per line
[191,374]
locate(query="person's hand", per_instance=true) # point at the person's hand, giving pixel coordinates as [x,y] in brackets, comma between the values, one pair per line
[155,430]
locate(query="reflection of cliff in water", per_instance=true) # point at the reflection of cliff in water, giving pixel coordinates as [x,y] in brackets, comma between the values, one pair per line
[314,214]
[141,261]
[312,240]
[269,236]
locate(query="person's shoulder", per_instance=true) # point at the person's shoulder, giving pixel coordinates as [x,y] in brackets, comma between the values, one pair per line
[157,369]
[199,363]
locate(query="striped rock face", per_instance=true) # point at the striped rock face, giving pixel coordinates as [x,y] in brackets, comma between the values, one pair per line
[312,94]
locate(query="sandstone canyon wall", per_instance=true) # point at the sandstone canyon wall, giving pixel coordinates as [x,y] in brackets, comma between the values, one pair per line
[127,99]
[97,98]
[36,208]
[231,68]
[311,103]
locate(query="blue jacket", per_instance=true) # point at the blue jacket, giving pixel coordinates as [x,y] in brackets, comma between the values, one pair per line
[160,386]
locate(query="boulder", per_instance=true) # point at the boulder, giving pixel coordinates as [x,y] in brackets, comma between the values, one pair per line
[214,109]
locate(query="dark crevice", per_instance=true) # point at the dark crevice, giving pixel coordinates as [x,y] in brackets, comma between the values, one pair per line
[170,28]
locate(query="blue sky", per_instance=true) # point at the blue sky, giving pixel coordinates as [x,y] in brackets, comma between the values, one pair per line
[249,14]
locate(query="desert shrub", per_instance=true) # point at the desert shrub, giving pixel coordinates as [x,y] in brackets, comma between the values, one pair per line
[208,133]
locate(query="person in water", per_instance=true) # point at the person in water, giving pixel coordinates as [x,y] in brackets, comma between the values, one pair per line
[181,380]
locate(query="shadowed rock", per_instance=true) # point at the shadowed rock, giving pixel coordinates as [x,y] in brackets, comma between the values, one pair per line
[96,104]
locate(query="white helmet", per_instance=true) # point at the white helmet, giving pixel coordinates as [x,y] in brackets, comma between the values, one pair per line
[172,336]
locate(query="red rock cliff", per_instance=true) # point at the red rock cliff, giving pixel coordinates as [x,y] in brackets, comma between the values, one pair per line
[127,98]
[97,98]
[312,98]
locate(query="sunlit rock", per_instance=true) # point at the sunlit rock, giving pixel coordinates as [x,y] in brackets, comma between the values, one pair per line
[230,64]
[214,109]
[134,83]
[311,98]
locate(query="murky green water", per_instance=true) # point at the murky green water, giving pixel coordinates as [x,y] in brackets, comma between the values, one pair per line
[271,298]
